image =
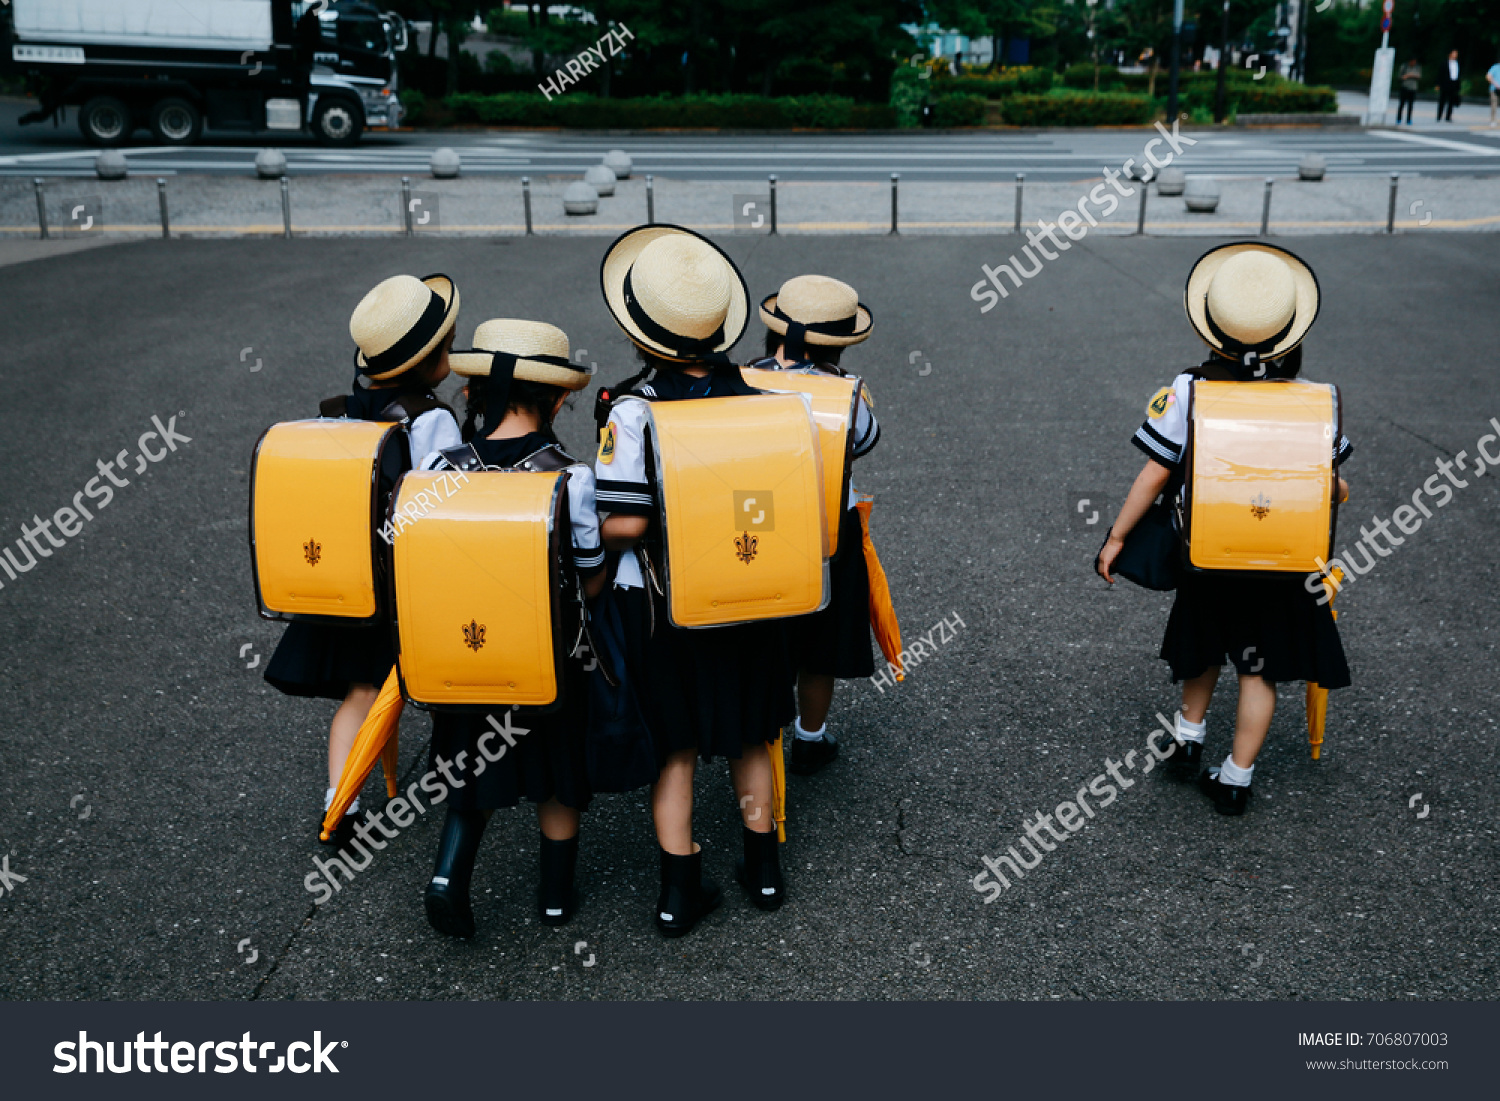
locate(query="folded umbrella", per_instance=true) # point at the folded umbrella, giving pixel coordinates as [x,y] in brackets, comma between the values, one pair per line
[882,614]
[376,740]
[778,787]
[1317,698]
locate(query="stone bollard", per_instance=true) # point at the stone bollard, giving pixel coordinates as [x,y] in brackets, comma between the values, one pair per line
[445,164]
[579,197]
[1171,181]
[601,179]
[618,162]
[1201,194]
[1312,167]
[111,165]
[270,164]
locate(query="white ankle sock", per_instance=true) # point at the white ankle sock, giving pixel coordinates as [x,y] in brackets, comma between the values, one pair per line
[328,802]
[1233,775]
[1191,732]
[808,735]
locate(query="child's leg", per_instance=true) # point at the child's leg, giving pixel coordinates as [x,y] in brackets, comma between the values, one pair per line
[559,823]
[814,698]
[1253,721]
[751,775]
[672,803]
[1198,692]
[346,723]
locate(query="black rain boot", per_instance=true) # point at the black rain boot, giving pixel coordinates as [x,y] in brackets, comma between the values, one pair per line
[555,898]
[759,870]
[685,897]
[447,896]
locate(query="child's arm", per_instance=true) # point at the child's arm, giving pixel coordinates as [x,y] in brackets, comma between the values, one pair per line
[1149,483]
[623,532]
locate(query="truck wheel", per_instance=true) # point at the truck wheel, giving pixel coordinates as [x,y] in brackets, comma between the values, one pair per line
[105,121]
[338,121]
[176,121]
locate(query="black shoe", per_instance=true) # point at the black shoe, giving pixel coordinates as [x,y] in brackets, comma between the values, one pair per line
[1187,758]
[685,897]
[447,895]
[809,756]
[341,834]
[555,898]
[759,870]
[1227,798]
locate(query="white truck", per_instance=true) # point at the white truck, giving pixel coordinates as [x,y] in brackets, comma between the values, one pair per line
[325,67]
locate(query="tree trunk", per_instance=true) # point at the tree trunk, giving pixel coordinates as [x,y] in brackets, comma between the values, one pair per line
[1151,80]
[432,35]
[996,41]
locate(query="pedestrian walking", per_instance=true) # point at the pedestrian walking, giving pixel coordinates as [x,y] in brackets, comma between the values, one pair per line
[1492,78]
[1448,88]
[1411,82]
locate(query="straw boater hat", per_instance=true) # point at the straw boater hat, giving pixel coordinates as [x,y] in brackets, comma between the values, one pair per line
[816,310]
[400,322]
[676,294]
[1251,298]
[539,351]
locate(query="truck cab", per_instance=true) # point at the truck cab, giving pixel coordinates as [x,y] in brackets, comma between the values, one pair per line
[322,67]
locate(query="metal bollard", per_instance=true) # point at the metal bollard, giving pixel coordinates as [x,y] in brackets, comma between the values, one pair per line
[406,204]
[1020,186]
[773,204]
[650,201]
[895,178]
[286,209]
[1265,210]
[1390,215]
[41,207]
[1140,218]
[526,199]
[161,198]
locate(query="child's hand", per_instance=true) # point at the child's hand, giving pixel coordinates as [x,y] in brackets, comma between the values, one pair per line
[1343,491]
[1112,547]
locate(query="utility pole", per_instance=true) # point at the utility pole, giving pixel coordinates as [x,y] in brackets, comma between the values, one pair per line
[1219,112]
[1172,108]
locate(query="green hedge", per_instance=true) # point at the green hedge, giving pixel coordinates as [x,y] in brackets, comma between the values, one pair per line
[1077,109]
[1007,83]
[1283,98]
[959,111]
[730,112]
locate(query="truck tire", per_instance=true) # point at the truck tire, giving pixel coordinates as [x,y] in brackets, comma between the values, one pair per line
[106,121]
[337,120]
[176,121]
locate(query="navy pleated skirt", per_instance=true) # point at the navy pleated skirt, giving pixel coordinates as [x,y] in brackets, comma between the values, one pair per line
[316,659]
[836,641]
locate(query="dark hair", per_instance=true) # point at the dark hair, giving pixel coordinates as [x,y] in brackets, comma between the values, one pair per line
[1288,366]
[533,397]
[818,353]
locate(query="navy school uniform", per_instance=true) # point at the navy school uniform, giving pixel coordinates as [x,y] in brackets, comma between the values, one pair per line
[326,660]
[1266,624]
[715,689]
[836,641]
[547,761]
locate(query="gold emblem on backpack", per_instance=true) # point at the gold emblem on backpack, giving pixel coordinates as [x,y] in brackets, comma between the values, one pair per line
[744,547]
[474,635]
[312,550]
[1260,507]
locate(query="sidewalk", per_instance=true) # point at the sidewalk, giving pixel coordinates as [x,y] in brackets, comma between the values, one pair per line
[1472,114]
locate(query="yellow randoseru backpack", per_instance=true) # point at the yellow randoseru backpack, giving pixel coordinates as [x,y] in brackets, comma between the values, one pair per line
[315,488]
[485,597]
[740,484]
[835,401]
[1260,489]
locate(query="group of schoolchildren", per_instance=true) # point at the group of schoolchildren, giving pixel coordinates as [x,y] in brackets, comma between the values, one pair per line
[731,691]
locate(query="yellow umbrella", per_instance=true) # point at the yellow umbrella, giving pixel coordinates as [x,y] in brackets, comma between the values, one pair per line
[882,614]
[778,788]
[1317,698]
[376,740]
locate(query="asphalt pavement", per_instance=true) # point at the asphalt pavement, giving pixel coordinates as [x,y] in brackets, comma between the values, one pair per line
[159,799]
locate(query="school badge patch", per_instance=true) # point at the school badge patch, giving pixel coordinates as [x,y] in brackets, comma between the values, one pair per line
[607,444]
[1160,402]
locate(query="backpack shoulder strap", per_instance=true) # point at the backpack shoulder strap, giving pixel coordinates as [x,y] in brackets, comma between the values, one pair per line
[547,460]
[408,407]
[464,457]
[604,400]
[336,406]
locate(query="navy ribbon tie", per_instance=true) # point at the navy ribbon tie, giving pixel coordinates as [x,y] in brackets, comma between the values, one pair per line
[412,342]
[1238,347]
[794,340]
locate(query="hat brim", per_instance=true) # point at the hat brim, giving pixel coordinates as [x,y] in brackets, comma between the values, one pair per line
[475,363]
[445,289]
[863,323]
[616,264]
[1195,294]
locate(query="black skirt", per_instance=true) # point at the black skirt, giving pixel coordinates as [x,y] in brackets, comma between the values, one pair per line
[547,762]
[712,689]
[1266,624]
[836,641]
[315,659]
